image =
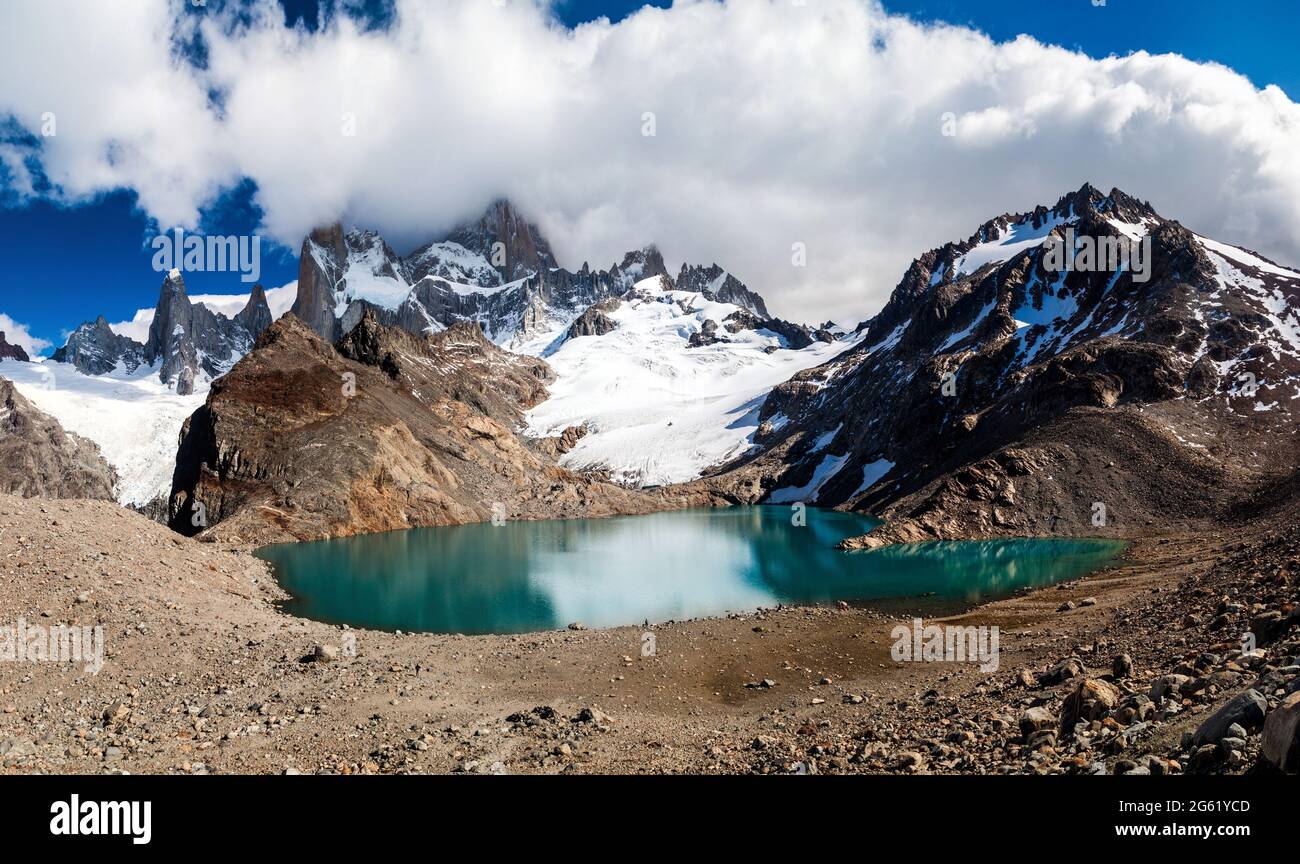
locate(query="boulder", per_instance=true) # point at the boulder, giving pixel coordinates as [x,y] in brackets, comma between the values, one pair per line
[1070,667]
[1280,746]
[1092,700]
[1246,708]
[1167,685]
[325,653]
[1036,718]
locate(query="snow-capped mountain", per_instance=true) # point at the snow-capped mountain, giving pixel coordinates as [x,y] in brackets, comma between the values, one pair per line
[498,271]
[188,346]
[664,383]
[130,398]
[715,282]
[994,378]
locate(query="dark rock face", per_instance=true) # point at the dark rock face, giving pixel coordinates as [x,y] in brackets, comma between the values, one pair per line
[717,284]
[706,335]
[1009,399]
[794,336]
[385,430]
[11,352]
[525,250]
[185,339]
[189,339]
[642,264]
[95,349]
[497,270]
[255,317]
[38,459]
[320,270]
[595,321]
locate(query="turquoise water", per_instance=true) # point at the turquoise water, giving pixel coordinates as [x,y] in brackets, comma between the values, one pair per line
[528,576]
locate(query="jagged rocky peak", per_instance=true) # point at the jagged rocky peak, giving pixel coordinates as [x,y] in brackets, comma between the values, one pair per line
[522,250]
[321,263]
[993,375]
[1116,204]
[39,459]
[1000,241]
[497,270]
[645,263]
[187,342]
[11,352]
[256,316]
[190,342]
[96,350]
[717,284]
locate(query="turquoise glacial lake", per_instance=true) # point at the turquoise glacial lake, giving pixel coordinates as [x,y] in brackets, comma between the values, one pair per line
[529,576]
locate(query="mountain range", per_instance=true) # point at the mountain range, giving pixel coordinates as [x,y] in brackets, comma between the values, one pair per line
[1159,400]
[994,394]
[498,271]
[189,345]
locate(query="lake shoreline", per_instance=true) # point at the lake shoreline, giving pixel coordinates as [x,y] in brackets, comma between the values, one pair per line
[531,577]
[205,675]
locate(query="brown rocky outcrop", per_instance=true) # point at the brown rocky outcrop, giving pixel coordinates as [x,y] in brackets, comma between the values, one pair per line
[385,430]
[11,352]
[558,445]
[39,459]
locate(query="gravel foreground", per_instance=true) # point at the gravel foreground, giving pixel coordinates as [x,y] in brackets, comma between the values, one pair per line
[1139,668]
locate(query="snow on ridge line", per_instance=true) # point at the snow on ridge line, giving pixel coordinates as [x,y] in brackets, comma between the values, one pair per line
[1241,256]
[1018,237]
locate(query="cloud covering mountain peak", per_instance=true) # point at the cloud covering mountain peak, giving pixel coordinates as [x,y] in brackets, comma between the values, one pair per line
[814,148]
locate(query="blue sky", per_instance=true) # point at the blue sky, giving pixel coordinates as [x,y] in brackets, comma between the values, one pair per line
[65,265]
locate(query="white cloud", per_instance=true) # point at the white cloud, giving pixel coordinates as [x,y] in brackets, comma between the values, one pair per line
[775,124]
[278,299]
[18,334]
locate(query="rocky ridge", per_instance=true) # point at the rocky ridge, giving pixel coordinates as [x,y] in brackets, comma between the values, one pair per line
[39,459]
[994,396]
[11,352]
[497,270]
[303,439]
